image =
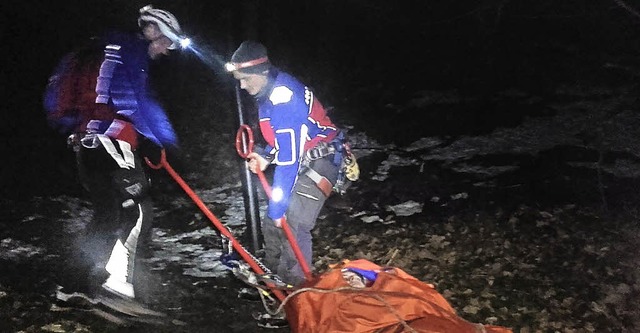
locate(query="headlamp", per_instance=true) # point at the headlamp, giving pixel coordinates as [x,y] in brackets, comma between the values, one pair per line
[234,66]
[230,67]
[185,42]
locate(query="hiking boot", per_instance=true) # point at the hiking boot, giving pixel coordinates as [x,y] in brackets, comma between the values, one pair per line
[266,320]
[124,305]
[66,298]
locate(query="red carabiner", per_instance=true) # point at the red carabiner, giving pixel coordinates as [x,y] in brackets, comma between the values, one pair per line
[244,151]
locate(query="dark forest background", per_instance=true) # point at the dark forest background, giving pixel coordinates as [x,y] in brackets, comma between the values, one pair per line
[361,56]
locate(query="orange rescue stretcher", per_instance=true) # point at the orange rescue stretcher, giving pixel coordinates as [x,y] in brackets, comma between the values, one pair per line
[345,298]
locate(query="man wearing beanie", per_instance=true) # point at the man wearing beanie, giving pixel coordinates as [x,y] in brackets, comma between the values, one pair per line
[99,97]
[300,141]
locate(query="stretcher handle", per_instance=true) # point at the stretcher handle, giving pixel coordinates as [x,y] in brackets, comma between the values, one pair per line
[250,259]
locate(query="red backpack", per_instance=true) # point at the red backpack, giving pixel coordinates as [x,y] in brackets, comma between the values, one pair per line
[70,96]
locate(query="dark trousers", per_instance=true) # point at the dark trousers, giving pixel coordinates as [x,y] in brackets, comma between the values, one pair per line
[106,182]
[304,207]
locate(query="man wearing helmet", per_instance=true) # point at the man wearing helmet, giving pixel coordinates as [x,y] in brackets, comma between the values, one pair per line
[102,101]
[160,28]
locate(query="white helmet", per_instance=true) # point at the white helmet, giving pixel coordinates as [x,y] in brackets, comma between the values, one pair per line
[167,23]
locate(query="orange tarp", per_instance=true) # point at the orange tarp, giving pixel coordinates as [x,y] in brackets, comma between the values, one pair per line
[396,302]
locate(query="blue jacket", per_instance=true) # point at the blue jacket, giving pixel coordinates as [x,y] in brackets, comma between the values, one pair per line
[292,120]
[122,84]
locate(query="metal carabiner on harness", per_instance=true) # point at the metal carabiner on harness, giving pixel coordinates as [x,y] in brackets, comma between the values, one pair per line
[90,141]
[320,150]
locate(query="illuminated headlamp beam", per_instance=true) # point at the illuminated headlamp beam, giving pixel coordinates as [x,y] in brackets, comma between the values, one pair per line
[207,55]
[230,67]
[185,42]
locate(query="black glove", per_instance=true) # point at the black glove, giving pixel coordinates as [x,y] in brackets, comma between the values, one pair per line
[148,149]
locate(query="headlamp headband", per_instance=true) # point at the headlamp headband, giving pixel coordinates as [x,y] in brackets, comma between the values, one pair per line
[234,66]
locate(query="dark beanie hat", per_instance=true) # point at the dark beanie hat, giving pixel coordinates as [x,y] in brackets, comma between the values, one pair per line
[251,52]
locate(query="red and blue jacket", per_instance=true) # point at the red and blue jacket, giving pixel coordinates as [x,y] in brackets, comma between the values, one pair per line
[112,85]
[292,121]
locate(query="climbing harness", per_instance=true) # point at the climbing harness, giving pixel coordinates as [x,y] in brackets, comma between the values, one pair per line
[348,169]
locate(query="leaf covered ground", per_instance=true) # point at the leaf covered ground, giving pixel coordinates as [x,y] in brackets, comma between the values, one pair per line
[531,226]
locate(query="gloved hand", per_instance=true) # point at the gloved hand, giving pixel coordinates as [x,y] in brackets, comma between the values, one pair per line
[153,153]
[150,150]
